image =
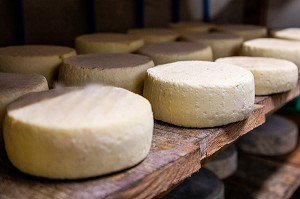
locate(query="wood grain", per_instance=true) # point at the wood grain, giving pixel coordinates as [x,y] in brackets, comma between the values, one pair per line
[175,154]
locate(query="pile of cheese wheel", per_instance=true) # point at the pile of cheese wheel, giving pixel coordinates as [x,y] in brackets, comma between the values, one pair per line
[98,116]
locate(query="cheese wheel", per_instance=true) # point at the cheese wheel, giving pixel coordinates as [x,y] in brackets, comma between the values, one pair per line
[270,75]
[13,85]
[191,26]
[107,43]
[247,32]
[224,163]
[167,52]
[199,94]
[78,132]
[40,59]
[288,33]
[276,48]
[155,35]
[122,70]
[222,44]
[277,136]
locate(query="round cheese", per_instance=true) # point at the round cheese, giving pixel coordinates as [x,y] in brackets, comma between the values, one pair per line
[122,70]
[107,43]
[78,132]
[276,48]
[270,75]
[13,85]
[199,94]
[222,44]
[191,26]
[277,136]
[155,35]
[288,33]
[245,31]
[167,52]
[40,59]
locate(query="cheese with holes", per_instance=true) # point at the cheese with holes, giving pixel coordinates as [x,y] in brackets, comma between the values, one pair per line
[40,59]
[270,75]
[122,70]
[75,133]
[199,93]
[288,33]
[155,35]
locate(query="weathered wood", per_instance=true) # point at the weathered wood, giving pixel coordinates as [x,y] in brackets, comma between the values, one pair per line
[176,153]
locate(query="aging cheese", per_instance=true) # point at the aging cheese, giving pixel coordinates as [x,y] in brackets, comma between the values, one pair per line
[78,132]
[107,43]
[276,48]
[270,75]
[122,70]
[155,35]
[199,93]
[40,59]
[222,44]
[288,33]
[167,52]
[190,26]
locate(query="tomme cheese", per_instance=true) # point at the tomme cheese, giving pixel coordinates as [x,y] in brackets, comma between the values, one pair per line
[222,44]
[276,48]
[78,132]
[107,43]
[40,59]
[199,94]
[14,85]
[167,52]
[122,70]
[155,35]
[186,26]
[288,33]
[270,75]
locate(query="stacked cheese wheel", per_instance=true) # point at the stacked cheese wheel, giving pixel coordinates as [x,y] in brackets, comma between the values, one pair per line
[155,35]
[188,27]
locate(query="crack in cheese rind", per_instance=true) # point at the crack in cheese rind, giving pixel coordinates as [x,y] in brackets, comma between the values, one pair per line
[199,94]
[270,75]
[83,133]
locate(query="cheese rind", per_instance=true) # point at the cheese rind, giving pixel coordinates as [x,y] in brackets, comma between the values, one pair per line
[122,70]
[78,132]
[288,33]
[270,75]
[189,26]
[155,35]
[199,94]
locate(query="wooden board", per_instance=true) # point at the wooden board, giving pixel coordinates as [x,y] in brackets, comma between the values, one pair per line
[175,154]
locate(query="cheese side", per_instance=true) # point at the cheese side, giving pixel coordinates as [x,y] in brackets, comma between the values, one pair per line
[78,132]
[199,94]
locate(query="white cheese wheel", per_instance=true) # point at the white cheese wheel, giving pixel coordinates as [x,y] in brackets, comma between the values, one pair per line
[40,59]
[107,43]
[277,136]
[77,133]
[270,75]
[167,52]
[245,31]
[13,85]
[288,33]
[222,44]
[155,35]
[276,48]
[199,94]
[122,70]
[191,26]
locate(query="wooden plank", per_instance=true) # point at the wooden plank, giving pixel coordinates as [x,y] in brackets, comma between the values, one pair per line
[176,153]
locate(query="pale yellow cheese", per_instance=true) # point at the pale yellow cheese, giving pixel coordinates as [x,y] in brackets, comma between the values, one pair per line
[199,93]
[118,69]
[167,52]
[78,132]
[270,75]
[107,43]
[191,26]
[155,35]
[40,59]
[288,33]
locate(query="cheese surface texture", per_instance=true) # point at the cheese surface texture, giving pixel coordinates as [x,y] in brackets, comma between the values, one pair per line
[40,59]
[270,75]
[155,35]
[167,52]
[78,132]
[288,33]
[187,26]
[122,70]
[107,43]
[276,48]
[199,93]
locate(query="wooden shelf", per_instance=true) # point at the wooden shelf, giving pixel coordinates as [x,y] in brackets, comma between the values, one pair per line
[175,154]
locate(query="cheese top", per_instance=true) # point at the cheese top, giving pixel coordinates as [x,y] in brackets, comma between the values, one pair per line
[273,43]
[108,38]
[153,31]
[190,26]
[288,33]
[210,36]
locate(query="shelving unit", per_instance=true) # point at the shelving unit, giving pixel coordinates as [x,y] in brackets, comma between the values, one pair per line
[175,154]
